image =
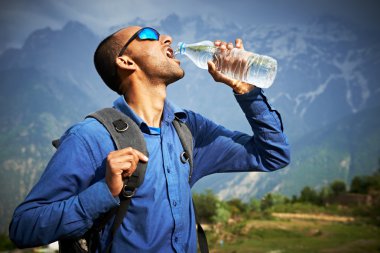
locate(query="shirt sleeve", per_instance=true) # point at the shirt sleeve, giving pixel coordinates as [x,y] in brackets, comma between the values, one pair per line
[218,149]
[64,203]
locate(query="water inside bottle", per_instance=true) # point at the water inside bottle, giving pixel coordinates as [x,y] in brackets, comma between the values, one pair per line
[259,70]
[199,53]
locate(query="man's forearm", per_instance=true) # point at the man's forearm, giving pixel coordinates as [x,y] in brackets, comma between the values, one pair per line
[269,138]
[34,225]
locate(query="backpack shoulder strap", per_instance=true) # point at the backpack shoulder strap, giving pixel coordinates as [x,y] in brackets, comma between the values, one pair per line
[186,139]
[124,133]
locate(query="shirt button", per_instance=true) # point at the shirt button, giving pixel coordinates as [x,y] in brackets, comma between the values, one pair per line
[174,203]
[176,239]
[167,170]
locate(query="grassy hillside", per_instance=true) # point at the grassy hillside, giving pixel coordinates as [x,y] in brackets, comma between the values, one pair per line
[296,236]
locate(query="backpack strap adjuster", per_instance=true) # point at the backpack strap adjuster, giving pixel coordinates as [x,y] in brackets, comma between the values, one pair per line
[184,157]
[128,192]
[130,185]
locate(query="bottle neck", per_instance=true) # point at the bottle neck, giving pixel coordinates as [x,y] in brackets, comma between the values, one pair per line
[181,47]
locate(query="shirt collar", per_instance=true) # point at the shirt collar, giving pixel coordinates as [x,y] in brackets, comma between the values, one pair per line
[171,111]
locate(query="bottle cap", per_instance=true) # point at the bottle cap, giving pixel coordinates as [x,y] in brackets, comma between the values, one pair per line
[181,48]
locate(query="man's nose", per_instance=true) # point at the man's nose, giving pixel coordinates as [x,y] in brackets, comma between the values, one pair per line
[166,39]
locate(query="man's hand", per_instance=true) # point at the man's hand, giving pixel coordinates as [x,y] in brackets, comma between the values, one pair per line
[121,164]
[225,62]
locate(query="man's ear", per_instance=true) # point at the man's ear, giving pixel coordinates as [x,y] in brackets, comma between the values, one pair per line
[124,62]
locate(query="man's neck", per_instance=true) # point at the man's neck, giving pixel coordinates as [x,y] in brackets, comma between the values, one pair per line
[147,103]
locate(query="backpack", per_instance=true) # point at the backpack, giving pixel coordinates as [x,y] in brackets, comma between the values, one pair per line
[126,133]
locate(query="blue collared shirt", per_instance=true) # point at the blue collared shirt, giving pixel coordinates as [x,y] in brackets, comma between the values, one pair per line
[72,193]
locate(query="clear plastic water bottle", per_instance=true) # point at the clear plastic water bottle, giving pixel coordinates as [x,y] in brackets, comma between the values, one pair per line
[259,70]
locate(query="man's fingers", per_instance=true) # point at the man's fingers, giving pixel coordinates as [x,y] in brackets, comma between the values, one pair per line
[216,75]
[224,45]
[121,159]
[128,151]
[239,43]
[141,156]
[120,164]
[211,67]
[124,161]
[129,168]
[213,71]
[126,174]
[224,63]
[124,168]
[117,168]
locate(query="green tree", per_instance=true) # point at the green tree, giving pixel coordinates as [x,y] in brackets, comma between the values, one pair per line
[337,187]
[238,207]
[206,205]
[294,199]
[360,184]
[279,199]
[254,205]
[365,184]
[309,195]
[5,243]
[222,214]
[324,194]
[266,202]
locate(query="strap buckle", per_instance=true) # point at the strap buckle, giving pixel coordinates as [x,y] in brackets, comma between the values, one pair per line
[128,192]
[120,125]
[184,157]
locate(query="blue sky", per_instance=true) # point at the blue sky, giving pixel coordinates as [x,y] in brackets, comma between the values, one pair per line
[18,18]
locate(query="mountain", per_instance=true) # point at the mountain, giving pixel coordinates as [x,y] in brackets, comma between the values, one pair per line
[326,90]
[325,66]
[46,86]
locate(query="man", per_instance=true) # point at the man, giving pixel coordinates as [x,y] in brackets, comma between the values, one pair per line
[83,179]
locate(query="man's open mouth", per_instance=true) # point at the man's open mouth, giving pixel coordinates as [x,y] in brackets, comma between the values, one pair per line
[170,53]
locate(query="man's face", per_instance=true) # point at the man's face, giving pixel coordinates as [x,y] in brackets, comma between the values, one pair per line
[154,58]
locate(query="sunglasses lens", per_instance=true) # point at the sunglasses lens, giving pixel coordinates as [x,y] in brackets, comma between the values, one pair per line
[148,34]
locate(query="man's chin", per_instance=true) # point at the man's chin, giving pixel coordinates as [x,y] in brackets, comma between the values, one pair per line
[177,77]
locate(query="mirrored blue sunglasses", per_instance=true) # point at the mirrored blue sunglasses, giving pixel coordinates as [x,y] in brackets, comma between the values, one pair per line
[145,33]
